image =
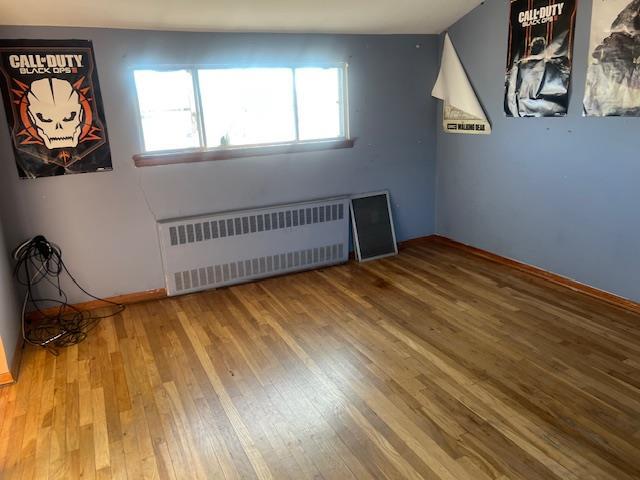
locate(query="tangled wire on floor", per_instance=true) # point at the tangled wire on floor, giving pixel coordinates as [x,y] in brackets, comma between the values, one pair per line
[39,260]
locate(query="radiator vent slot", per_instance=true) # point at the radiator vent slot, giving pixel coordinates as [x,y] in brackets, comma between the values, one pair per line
[247,224]
[214,275]
[214,250]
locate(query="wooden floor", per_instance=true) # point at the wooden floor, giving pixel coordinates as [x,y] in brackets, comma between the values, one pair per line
[433,364]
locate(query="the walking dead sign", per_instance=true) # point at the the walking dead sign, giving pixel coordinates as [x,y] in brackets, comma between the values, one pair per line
[53,105]
[539,58]
[613,75]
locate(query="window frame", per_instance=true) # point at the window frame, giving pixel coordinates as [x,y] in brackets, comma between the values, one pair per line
[223,152]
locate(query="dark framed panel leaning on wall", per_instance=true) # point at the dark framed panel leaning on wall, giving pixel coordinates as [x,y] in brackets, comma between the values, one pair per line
[374,235]
[201,113]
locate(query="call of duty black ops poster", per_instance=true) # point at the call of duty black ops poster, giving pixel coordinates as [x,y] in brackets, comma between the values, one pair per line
[539,58]
[53,106]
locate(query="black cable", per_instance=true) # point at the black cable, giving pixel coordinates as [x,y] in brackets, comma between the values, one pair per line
[37,261]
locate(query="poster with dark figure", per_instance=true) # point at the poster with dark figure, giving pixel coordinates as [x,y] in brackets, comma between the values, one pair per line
[53,106]
[613,73]
[539,58]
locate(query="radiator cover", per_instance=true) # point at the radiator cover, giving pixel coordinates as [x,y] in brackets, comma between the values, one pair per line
[220,249]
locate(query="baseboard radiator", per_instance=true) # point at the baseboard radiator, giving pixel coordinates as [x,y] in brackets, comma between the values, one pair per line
[220,249]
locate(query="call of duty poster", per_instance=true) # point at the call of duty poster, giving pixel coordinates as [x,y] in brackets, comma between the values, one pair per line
[613,74]
[53,106]
[539,58]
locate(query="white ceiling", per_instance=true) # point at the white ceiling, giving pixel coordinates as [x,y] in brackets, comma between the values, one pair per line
[321,16]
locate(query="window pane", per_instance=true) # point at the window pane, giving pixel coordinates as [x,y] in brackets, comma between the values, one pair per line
[167,109]
[244,106]
[319,109]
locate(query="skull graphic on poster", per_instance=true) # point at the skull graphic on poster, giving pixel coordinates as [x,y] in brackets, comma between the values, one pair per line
[55,111]
[52,101]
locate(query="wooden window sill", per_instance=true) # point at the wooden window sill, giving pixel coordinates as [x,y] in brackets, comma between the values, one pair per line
[169,158]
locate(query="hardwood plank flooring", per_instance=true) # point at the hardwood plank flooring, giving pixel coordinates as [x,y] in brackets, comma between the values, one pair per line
[434,364]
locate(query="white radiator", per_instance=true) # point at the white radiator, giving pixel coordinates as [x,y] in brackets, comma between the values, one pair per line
[220,249]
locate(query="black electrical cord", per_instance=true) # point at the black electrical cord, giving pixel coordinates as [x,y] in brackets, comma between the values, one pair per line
[37,261]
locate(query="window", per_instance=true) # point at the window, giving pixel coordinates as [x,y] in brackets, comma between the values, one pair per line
[319,106]
[247,106]
[202,109]
[167,109]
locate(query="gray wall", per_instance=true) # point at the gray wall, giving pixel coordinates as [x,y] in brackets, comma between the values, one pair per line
[105,222]
[558,193]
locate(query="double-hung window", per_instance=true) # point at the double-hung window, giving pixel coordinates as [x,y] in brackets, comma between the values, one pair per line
[186,110]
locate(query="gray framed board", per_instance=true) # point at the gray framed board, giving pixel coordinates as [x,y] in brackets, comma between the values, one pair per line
[373,233]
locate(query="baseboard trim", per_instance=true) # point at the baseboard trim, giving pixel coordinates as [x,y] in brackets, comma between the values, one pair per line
[137,297]
[17,358]
[6,379]
[126,299]
[593,292]
[415,241]
[402,244]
